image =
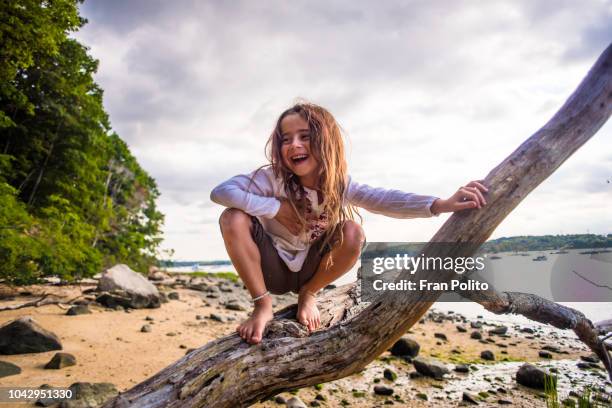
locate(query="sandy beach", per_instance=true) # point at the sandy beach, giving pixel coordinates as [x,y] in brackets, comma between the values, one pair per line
[110,346]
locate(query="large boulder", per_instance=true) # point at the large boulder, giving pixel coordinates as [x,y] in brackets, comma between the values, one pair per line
[533,377]
[121,286]
[24,335]
[430,367]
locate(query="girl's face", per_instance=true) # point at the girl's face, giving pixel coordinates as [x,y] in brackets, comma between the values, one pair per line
[295,150]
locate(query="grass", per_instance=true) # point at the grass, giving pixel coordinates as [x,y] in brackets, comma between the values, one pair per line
[586,398]
[223,275]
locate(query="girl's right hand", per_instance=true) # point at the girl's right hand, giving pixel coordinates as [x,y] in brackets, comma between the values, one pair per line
[287,216]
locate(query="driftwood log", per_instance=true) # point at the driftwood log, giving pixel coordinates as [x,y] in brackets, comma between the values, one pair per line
[228,372]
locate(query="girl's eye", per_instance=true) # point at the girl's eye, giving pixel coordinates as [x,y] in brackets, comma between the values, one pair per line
[285,140]
[306,136]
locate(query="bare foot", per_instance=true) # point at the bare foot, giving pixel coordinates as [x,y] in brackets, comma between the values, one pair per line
[308,313]
[251,330]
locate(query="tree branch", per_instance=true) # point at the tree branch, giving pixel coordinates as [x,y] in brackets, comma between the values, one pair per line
[229,372]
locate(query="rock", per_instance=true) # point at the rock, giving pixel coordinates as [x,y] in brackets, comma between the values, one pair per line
[430,367]
[173,296]
[552,349]
[218,318]
[533,377]
[461,329]
[405,346]
[469,398]
[295,402]
[7,369]
[476,325]
[24,335]
[462,368]
[157,275]
[389,374]
[487,355]
[415,374]
[504,402]
[382,390]
[528,330]
[89,395]
[236,306]
[61,360]
[499,330]
[545,354]
[476,335]
[440,336]
[145,328]
[127,288]
[592,358]
[78,310]
[280,400]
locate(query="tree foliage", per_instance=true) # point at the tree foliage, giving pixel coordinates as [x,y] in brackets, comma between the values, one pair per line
[73,198]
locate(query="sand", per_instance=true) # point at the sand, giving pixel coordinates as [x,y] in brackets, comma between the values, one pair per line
[110,347]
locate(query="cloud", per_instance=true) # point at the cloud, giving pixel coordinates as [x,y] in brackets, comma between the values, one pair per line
[431,94]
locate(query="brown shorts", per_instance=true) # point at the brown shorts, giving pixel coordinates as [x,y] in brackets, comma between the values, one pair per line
[277,276]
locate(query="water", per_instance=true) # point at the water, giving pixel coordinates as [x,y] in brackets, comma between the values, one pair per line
[552,278]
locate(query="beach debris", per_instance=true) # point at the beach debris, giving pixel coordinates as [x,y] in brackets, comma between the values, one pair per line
[146,328]
[61,360]
[24,335]
[462,368]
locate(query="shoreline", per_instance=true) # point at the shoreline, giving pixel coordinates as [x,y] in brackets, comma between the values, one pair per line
[109,346]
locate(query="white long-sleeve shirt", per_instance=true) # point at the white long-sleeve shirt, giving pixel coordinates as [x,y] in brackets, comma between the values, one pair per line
[260,198]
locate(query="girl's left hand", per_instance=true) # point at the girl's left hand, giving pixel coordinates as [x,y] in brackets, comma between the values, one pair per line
[467,197]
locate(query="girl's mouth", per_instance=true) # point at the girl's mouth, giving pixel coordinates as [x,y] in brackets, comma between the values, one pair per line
[299,158]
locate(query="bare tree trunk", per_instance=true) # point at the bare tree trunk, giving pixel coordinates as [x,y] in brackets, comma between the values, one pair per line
[229,372]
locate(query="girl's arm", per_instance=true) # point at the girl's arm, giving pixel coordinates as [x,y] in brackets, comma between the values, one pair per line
[392,203]
[254,197]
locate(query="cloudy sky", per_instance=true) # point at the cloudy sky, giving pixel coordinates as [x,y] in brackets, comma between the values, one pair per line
[431,94]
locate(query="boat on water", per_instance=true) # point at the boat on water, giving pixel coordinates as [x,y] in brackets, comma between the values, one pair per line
[540,258]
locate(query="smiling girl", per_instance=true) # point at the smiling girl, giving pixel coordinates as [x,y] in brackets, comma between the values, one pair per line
[290,225]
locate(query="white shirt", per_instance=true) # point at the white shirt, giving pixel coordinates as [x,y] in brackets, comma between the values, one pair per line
[260,198]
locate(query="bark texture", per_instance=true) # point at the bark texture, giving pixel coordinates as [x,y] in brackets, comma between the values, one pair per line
[230,373]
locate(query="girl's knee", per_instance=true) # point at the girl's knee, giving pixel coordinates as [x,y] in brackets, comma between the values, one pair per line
[234,220]
[353,236]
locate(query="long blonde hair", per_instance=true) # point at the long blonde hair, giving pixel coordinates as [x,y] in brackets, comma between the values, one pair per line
[327,145]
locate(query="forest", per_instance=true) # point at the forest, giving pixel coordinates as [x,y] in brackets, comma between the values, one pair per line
[73,198]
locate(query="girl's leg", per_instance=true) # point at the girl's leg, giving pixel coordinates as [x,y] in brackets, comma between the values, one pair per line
[344,256]
[236,228]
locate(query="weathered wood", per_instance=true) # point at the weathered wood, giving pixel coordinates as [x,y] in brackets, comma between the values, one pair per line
[545,311]
[229,372]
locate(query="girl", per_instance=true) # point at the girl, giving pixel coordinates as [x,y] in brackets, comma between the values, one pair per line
[290,225]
